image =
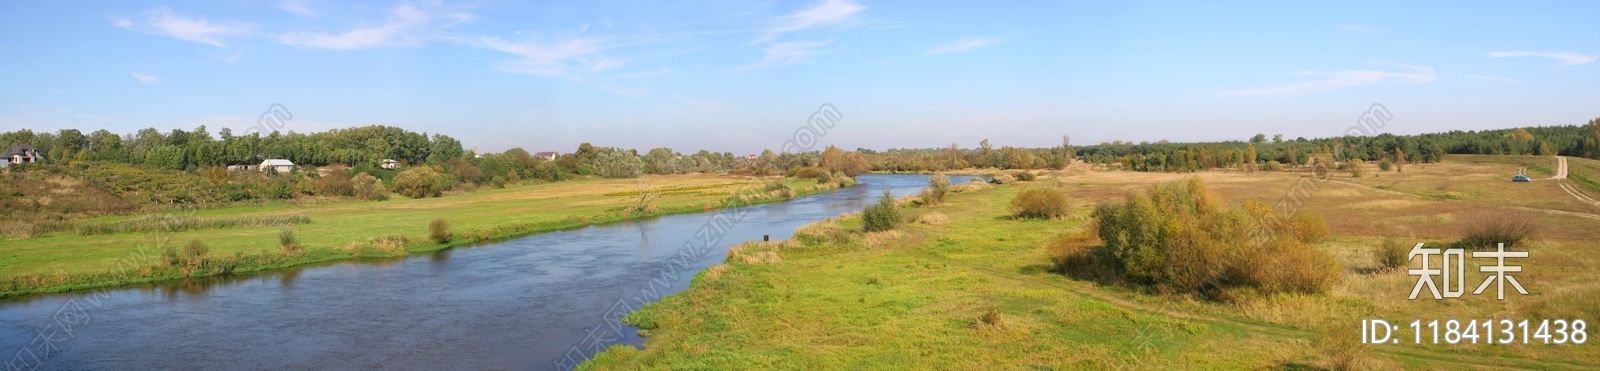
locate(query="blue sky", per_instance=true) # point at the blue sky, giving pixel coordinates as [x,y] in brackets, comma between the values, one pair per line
[741,76]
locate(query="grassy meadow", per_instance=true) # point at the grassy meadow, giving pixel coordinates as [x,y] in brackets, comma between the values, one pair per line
[331,231]
[966,286]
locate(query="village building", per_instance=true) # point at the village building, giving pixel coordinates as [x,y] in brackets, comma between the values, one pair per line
[279,165]
[21,153]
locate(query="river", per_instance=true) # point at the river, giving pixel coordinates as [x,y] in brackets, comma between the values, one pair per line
[515,304]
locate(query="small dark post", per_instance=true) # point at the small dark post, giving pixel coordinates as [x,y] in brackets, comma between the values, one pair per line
[765,238]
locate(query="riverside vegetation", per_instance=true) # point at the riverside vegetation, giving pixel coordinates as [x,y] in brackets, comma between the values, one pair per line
[1117,281]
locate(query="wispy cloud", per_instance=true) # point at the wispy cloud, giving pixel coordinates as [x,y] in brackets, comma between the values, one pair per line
[407,25]
[960,46]
[162,21]
[1330,81]
[785,53]
[1362,28]
[147,79]
[1567,59]
[297,7]
[1494,78]
[827,12]
[553,59]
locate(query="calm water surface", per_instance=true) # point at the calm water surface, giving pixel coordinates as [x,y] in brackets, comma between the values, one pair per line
[516,304]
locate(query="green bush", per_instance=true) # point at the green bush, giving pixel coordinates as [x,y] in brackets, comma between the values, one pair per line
[1272,166]
[1180,237]
[281,189]
[938,187]
[1026,176]
[882,215]
[824,177]
[419,182]
[368,187]
[287,243]
[1385,165]
[1039,203]
[1391,255]
[439,230]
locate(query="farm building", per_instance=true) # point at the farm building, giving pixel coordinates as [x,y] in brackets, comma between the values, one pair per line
[280,165]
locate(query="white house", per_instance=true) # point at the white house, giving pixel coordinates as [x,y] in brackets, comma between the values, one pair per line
[21,153]
[547,156]
[389,164]
[281,165]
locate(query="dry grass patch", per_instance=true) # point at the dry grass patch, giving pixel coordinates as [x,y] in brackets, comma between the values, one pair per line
[933,218]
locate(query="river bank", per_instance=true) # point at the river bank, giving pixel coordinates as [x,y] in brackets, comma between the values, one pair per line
[352,230]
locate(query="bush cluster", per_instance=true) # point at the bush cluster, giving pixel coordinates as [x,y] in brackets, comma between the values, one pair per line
[419,182]
[1392,254]
[368,187]
[1486,230]
[938,187]
[882,215]
[439,230]
[1179,237]
[1039,203]
[1026,176]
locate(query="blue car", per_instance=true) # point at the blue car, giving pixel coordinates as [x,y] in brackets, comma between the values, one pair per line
[1521,179]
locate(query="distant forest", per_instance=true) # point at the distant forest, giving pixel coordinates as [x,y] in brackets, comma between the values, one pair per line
[365,147]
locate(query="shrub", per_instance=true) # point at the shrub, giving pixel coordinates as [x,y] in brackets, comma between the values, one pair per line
[439,230]
[1026,176]
[1357,168]
[419,182]
[498,181]
[824,177]
[368,187]
[882,215]
[1391,255]
[337,183]
[1039,203]
[193,255]
[1488,229]
[1180,237]
[1385,165]
[287,243]
[938,187]
[281,189]
[1272,166]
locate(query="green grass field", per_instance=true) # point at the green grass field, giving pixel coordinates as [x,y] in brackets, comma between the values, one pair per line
[974,293]
[65,260]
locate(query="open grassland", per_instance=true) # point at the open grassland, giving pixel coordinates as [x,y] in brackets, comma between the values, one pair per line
[331,231]
[972,289]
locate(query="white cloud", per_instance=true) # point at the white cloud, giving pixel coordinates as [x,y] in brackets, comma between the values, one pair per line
[552,59]
[1567,59]
[825,13]
[297,7]
[407,26]
[1361,28]
[147,79]
[162,21]
[1331,81]
[960,46]
[780,54]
